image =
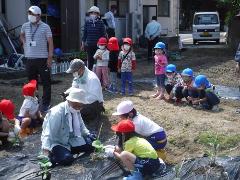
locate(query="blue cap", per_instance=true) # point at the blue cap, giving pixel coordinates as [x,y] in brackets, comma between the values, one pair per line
[187,72]
[201,80]
[160,45]
[171,68]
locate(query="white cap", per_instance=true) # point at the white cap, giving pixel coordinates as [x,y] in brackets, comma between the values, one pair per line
[35,10]
[77,95]
[123,108]
[94,9]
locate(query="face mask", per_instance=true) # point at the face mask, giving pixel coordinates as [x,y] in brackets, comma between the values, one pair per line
[101,47]
[93,16]
[126,47]
[75,74]
[72,110]
[32,18]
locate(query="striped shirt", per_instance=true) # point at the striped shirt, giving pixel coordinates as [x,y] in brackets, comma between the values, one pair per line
[93,30]
[38,33]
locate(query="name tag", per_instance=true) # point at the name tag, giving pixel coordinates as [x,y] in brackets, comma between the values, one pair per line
[33,43]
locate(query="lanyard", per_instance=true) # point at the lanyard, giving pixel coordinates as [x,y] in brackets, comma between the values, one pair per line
[33,33]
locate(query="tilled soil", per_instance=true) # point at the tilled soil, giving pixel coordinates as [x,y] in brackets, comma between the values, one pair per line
[182,123]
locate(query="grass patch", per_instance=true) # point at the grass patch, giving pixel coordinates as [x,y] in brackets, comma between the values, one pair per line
[224,141]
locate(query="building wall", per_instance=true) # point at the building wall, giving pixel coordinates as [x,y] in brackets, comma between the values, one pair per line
[16,11]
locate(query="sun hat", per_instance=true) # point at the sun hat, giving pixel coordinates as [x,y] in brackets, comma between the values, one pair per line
[94,9]
[171,68]
[75,65]
[113,44]
[160,45]
[29,88]
[127,40]
[77,95]
[7,108]
[123,108]
[35,10]
[102,41]
[124,126]
[201,80]
[187,72]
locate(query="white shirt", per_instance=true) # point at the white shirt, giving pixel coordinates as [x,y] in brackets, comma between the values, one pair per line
[110,19]
[90,84]
[104,55]
[145,126]
[29,104]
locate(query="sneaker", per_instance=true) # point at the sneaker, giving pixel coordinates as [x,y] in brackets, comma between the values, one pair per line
[130,94]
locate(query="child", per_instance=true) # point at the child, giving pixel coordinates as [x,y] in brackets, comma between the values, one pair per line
[155,134]
[137,154]
[7,120]
[160,65]
[113,63]
[126,64]
[102,57]
[29,112]
[189,92]
[207,98]
[174,84]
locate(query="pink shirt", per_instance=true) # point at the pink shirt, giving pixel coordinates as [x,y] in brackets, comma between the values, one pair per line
[160,64]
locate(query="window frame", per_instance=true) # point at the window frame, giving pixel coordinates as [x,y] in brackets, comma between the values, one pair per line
[159,10]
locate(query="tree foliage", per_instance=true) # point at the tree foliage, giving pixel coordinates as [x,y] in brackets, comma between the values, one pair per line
[233,6]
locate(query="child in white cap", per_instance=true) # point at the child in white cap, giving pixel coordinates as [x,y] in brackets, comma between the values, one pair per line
[145,127]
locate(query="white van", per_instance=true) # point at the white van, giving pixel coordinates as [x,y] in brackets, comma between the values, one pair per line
[206,27]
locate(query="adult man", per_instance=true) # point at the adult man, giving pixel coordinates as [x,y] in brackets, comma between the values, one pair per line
[93,30]
[152,33]
[36,37]
[110,21]
[64,132]
[89,82]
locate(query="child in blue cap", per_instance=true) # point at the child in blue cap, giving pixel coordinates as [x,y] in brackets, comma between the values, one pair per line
[207,99]
[174,84]
[189,92]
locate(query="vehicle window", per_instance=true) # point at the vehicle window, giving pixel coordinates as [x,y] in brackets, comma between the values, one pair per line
[205,19]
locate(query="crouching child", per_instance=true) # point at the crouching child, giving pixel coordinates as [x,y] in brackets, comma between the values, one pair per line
[174,84]
[207,98]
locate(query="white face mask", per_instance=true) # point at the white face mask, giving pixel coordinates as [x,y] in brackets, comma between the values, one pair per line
[32,18]
[75,74]
[126,47]
[93,16]
[101,47]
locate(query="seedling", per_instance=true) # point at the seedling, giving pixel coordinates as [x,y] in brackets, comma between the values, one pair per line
[45,165]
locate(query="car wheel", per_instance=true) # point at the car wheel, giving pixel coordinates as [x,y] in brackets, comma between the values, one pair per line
[217,41]
[194,41]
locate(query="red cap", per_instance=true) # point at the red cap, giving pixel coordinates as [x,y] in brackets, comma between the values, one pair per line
[7,108]
[124,126]
[127,40]
[102,41]
[113,44]
[29,88]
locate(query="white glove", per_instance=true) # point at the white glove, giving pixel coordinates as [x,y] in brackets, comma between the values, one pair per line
[109,149]
[17,128]
[11,134]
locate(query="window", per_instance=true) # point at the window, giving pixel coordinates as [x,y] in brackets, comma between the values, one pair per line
[206,19]
[164,8]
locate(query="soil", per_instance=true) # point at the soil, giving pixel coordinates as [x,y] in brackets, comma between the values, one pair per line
[182,123]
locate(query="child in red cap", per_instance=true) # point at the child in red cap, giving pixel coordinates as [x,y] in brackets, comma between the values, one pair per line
[29,112]
[102,58]
[126,65]
[6,114]
[113,48]
[137,154]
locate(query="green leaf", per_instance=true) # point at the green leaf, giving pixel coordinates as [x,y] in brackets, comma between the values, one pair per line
[98,145]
